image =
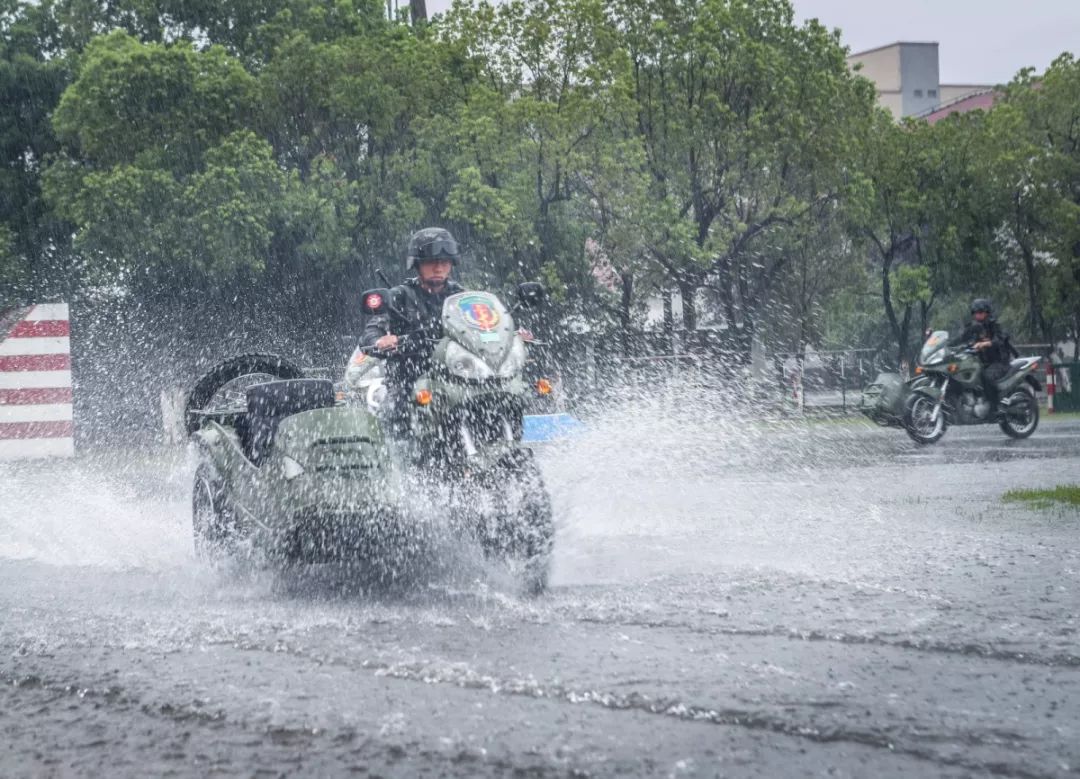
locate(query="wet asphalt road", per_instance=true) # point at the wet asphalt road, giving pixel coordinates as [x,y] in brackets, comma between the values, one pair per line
[728,600]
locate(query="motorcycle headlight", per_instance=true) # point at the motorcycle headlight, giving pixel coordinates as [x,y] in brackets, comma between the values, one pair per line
[466,365]
[514,362]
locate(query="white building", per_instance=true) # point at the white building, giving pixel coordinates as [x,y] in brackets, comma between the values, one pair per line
[907,78]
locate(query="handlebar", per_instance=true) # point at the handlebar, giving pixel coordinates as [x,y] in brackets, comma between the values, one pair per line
[409,344]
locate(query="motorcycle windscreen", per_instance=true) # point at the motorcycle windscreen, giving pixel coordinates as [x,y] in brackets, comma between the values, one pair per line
[937,341]
[480,322]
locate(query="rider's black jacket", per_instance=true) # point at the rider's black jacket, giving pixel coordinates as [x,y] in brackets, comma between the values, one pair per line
[416,319]
[999,351]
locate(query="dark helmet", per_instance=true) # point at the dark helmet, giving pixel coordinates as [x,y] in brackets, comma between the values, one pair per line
[431,243]
[981,304]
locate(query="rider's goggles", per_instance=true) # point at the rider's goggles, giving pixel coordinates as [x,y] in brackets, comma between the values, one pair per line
[439,249]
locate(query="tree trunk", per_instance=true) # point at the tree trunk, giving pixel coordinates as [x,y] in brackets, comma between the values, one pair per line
[669,321]
[688,292]
[905,324]
[745,338]
[627,288]
[899,333]
[1035,323]
[417,11]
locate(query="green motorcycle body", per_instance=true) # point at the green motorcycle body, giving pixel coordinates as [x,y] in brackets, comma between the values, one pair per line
[322,480]
[328,473]
[951,393]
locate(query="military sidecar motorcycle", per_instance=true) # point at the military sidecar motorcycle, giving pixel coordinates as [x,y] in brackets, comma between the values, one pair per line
[298,471]
[947,390]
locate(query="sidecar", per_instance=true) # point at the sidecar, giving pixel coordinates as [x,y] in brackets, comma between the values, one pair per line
[883,399]
[286,469]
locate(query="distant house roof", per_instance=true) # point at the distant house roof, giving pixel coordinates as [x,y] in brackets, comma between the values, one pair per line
[981,100]
[891,45]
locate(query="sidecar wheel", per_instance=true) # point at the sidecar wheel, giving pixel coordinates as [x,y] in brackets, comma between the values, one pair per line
[213,522]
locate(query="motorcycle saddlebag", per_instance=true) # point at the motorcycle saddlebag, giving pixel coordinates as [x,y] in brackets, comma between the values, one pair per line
[883,400]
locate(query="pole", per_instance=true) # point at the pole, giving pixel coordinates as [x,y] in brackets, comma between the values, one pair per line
[1051,389]
[843,385]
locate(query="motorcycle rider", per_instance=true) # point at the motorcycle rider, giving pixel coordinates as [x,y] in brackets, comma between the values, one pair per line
[986,336]
[404,332]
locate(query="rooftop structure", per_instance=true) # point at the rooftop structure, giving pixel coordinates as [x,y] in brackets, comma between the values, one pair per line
[981,100]
[907,78]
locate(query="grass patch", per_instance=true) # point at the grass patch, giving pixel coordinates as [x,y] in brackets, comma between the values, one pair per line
[1063,493]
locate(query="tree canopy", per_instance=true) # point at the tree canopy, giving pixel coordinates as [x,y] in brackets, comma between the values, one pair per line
[716,150]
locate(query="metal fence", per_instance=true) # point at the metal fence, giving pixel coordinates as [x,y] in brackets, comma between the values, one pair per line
[827,379]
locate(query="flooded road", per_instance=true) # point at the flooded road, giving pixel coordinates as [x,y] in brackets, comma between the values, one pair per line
[741,599]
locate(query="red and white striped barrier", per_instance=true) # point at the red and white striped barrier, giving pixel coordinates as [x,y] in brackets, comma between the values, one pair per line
[36,417]
[1051,386]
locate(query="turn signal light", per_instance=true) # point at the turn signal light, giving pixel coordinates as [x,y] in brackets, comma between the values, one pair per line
[953,367]
[423,397]
[543,386]
[918,370]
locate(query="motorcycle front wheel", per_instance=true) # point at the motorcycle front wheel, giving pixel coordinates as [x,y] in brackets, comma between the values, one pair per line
[919,419]
[519,529]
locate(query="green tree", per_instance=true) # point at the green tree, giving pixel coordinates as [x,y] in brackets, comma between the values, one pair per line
[824,264]
[34,240]
[747,121]
[153,103]
[1016,171]
[521,144]
[1036,149]
[178,162]
[925,221]
[153,143]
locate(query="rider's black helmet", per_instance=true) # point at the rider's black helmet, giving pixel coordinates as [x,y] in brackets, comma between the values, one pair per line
[981,304]
[431,243]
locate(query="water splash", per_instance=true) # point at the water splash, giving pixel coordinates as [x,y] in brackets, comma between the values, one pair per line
[109,511]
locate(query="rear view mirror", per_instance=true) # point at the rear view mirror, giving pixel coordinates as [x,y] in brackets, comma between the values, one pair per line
[531,294]
[375,301]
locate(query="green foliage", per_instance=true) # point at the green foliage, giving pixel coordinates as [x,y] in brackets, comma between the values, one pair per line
[231,205]
[911,285]
[611,149]
[1037,150]
[134,101]
[544,101]
[927,221]
[1069,494]
[31,82]
[12,274]
[747,122]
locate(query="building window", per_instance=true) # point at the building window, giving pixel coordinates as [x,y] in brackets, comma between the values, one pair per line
[918,93]
[931,93]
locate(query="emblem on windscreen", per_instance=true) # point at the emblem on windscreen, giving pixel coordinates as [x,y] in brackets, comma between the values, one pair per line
[479,313]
